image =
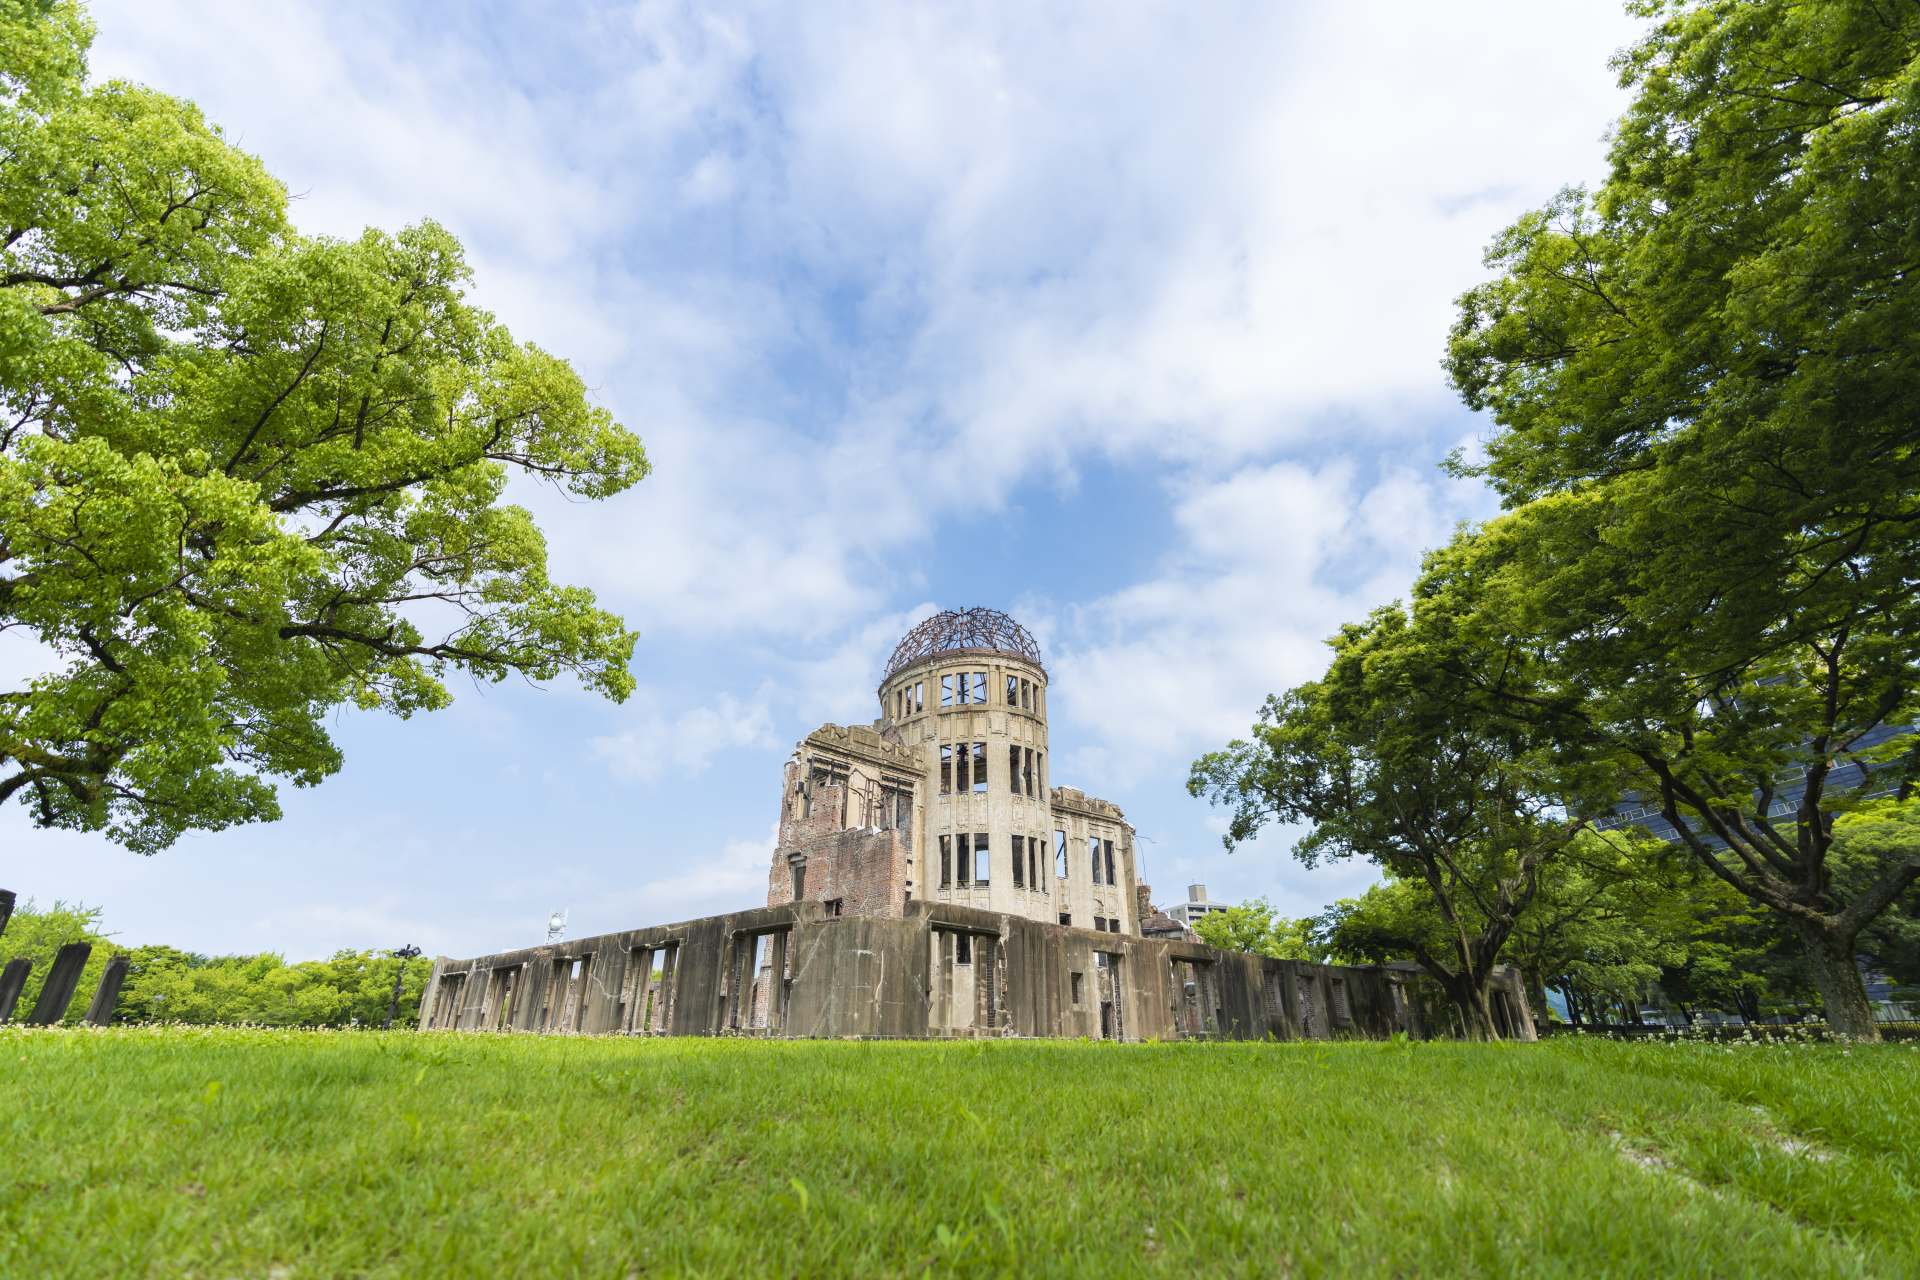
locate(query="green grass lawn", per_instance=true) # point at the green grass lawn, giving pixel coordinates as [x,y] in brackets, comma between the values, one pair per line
[292,1154]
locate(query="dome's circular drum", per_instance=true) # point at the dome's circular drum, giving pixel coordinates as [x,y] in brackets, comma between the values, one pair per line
[964,630]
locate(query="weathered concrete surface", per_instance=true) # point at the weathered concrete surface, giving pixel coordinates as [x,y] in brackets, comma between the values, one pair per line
[57,993]
[107,995]
[938,970]
[12,980]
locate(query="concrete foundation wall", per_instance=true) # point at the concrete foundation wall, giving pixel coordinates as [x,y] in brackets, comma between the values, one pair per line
[938,970]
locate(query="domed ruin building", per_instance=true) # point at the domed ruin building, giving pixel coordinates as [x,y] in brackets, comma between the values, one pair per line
[947,795]
[930,880]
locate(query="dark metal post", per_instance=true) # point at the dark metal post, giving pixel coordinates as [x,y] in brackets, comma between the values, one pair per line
[100,1012]
[57,992]
[6,908]
[403,955]
[12,980]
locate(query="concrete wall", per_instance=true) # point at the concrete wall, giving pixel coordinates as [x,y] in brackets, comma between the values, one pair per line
[937,970]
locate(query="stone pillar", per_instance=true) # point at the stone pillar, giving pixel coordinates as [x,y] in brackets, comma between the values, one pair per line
[6,912]
[777,984]
[11,982]
[57,994]
[100,1012]
[665,997]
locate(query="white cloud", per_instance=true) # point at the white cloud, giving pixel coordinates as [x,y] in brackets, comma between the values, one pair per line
[1270,561]
[857,270]
[814,255]
[685,744]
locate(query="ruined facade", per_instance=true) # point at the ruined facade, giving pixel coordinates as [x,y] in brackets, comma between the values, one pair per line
[947,797]
[929,880]
[933,969]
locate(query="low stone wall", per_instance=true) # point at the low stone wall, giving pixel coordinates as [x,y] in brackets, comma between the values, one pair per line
[938,970]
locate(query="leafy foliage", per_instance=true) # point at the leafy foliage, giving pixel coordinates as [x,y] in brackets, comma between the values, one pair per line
[247,476]
[1394,756]
[1256,928]
[1704,375]
[165,984]
[37,934]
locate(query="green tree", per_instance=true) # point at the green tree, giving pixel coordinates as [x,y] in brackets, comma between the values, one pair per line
[1704,377]
[1611,911]
[1740,959]
[1255,927]
[1394,758]
[1874,835]
[248,476]
[351,988]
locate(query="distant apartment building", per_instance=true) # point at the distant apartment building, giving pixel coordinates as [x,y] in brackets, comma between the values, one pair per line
[1197,904]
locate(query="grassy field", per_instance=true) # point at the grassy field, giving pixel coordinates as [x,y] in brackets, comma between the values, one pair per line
[292,1154]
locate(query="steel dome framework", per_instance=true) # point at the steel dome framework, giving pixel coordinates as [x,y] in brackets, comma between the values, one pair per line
[960,631]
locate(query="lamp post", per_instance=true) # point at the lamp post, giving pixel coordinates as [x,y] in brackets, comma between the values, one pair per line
[403,955]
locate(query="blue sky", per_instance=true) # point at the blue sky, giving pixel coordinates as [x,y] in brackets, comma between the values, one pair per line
[1126,319]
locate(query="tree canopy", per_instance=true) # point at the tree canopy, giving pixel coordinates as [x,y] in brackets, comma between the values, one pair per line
[247,475]
[1705,376]
[166,984]
[1397,755]
[1701,602]
[1256,928]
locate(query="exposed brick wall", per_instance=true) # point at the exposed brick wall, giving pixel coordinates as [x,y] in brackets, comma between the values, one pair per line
[865,868]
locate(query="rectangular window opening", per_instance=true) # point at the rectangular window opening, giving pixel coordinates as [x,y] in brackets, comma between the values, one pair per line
[946,770]
[1079,988]
[946,691]
[1013,771]
[1106,847]
[963,948]
[1060,855]
[1013,691]
[963,768]
[979,768]
[963,864]
[1093,854]
[1019,862]
[982,861]
[946,862]
[979,682]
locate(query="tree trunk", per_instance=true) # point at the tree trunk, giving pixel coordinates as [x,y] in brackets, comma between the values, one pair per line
[1476,1013]
[1837,978]
[1537,992]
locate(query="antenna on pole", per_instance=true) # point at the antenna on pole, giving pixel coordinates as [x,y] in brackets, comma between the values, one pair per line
[556,925]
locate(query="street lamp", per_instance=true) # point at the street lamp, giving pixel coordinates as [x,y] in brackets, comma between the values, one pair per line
[403,955]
